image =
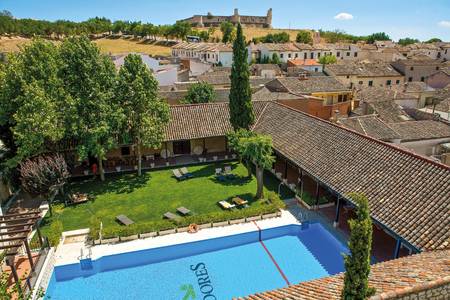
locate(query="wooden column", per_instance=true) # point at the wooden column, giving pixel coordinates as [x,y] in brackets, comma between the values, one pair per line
[165,149]
[38,230]
[10,262]
[338,210]
[301,183]
[398,245]
[285,168]
[317,193]
[30,257]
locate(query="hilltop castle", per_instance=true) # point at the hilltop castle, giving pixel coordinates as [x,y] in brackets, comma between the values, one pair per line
[210,20]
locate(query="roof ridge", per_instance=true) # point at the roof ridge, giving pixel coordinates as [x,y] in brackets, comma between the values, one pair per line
[426,159]
[361,125]
[259,117]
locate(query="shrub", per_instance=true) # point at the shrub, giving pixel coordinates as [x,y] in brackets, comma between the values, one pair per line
[54,233]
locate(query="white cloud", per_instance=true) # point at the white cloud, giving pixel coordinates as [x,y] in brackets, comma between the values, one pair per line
[343,16]
[445,24]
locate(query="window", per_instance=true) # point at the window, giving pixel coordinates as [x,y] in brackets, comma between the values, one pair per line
[412,68]
[281,55]
[125,151]
[289,55]
[397,81]
[305,56]
[348,53]
[437,68]
[318,55]
[348,76]
[422,78]
[340,98]
[316,69]
[388,82]
[370,82]
[208,55]
[338,54]
[355,54]
[296,55]
[312,55]
[410,79]
[360,82]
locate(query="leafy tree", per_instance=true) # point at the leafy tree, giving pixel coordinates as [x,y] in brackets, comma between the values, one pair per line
[275,59]
[181,29]
[233,139]
[227,29]
[201,92]
[6,13]
[241,109]
[304,37]
[89,79]
[44,175]
[327,59]
[407,41]
[281,37]
[258,149]
[379,36]
[433,40]
[33,102]
[357,263]
[146,114]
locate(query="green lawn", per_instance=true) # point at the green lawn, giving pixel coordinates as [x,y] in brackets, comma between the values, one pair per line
[148,197]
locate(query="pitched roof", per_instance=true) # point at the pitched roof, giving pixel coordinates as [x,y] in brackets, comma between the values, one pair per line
[421,130]
[389,111]
[380,94]
[310,85]
[419,60]
[391,279]
[372,126]
[264,94]
[363,69]
[408,193]
[193,121]
[304,62]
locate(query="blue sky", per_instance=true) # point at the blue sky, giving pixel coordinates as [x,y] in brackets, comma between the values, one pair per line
[421,19]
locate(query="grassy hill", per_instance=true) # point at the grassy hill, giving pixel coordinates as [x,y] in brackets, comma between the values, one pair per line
[250,33]
[110,46]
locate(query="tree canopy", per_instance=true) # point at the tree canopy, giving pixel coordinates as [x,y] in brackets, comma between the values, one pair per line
[357,263]
[227,29]
[379,36]
[327,59]
[145,114]
[282,37]
[304,36]
[241,109]
[434,40]
[407,41]
[201,92]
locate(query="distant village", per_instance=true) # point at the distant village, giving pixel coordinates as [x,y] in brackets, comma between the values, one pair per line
[394,93]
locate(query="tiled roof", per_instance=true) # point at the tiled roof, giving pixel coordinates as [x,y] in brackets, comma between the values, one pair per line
[265,95]
[372,126]
[304,62]
[203,47]
[202,120]
[391,279]
[420,60]
[363,69]
[421,130]
[310,85]
[380,94]
[407,193]
[280,47]
[389,111]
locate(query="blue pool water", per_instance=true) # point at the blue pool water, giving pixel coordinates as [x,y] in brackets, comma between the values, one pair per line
[219,268]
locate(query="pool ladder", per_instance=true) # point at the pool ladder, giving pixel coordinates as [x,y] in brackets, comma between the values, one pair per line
[89,254]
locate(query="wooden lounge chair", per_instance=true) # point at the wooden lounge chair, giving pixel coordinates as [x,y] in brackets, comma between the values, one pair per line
[124,220]
[183,210]
[178,175]
[239,201]
[78,198]
[171,216]
[186,173]
[219,171]
[226,205]
[228,173]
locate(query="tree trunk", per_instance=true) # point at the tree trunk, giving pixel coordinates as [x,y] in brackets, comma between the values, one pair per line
[248,165]
[139,159]
[259,182]
[100,169]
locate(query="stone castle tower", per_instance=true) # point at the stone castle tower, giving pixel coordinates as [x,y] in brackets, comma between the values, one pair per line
[269,18]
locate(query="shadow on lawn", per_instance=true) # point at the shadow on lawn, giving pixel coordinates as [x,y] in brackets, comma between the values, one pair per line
[119,184]
[210,170]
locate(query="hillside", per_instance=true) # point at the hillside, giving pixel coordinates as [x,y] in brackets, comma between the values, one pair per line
[250,33]
[110,46]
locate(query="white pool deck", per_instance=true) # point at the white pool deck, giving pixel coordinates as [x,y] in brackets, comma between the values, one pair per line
[70,253]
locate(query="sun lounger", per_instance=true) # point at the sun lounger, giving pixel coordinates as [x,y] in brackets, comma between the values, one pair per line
[186,173]
[218,171]
[183,210]
[226,205]
[172,216]
[78,198]
[227,170]
[178,175]
[124,220]
[239,201]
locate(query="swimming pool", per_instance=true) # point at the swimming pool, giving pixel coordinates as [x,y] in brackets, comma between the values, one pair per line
[219,268]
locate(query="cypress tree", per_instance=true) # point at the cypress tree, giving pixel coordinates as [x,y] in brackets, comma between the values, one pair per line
[241,109]
[357,264]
